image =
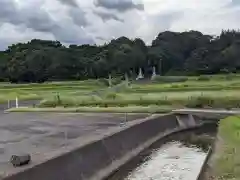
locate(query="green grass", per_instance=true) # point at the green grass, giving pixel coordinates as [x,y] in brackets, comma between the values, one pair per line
[185,86]
[219,91]
[47,90]
[219,77]
[129,109]
[227,163]
[214,99]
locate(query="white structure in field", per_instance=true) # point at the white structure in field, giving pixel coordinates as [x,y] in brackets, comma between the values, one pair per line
[126,79]
[154,74]
[140,74]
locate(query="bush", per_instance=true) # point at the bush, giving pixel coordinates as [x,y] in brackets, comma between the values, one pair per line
[116,81]
[199,102]
[48,103]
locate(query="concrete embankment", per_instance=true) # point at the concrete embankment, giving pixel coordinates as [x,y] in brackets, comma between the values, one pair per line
[204,165]
[99,157]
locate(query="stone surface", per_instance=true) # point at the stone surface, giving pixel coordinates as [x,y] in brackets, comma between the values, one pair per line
[41,133]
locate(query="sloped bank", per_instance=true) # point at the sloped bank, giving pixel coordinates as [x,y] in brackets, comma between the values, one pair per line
[99,157]
[225,161]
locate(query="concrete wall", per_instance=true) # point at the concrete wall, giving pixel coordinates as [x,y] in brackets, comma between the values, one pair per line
[97,159]
[205,164]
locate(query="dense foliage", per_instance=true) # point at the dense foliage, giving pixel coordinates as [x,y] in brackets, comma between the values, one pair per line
[171,53]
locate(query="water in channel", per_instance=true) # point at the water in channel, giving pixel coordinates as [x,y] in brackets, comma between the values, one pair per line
[178,157]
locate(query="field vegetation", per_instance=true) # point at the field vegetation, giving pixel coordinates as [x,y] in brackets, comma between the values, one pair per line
[227,162]
[218,91]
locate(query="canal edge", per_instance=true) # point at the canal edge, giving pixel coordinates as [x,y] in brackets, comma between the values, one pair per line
[204,165]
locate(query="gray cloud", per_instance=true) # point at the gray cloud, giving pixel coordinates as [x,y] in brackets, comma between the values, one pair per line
[78,16]
[120,5]
[72,3]
[105,16]
[34,18]
[101,38]
[81,21]
[39,20]
[72,36]
[234,3]
[8,11]
[167,19]
[75,12]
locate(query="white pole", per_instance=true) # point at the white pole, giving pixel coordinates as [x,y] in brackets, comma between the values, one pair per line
[8,104]
[16,102]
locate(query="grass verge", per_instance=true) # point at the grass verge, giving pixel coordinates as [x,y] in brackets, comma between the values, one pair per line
[227,162]
[212,100]
[127,109]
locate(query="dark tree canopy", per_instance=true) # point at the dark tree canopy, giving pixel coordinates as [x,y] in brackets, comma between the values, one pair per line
[171,53]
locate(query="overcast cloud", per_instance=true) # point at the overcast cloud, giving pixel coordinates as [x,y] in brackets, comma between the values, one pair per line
[98,21]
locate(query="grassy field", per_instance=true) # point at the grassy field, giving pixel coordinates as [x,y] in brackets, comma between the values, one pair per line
[211,93]
[227,162]
[47,90]
[222,91]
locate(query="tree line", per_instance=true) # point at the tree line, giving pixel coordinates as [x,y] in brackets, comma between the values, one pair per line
[171,53]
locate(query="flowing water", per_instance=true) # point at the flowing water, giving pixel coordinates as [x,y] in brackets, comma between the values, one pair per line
[178,157]
[173,161]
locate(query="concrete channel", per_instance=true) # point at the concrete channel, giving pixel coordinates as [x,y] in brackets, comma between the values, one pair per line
[173,157]
[100,152]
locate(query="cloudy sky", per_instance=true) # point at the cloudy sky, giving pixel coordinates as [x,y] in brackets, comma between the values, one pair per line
[98,21]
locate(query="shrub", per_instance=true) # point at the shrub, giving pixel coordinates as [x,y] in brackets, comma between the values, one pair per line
[116,81]
[200,102]
[48,103]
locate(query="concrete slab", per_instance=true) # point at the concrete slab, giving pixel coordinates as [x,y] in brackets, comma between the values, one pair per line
[41,133]
[12,104]
[207,111]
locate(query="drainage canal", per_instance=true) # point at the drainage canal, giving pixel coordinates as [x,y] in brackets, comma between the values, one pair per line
[176,157]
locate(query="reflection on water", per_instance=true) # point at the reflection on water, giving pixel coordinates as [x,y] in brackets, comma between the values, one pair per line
[173,161]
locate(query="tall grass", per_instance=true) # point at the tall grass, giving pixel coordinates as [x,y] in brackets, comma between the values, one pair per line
[182,91]
[185,86]
[227,161]
[219,77]
[170,79]
[224,99]
[47,90]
